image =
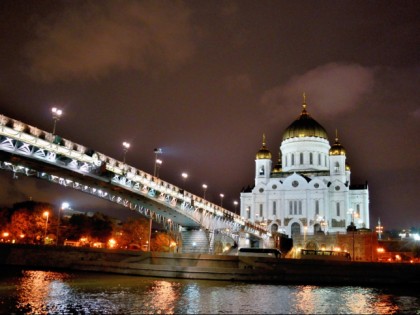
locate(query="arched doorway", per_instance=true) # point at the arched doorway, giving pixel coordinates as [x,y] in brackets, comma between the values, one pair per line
[295,229]
[274,228]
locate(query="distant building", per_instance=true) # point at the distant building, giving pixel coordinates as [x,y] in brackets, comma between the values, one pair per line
[308,191]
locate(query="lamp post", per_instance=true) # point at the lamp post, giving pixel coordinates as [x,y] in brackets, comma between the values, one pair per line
[204,190]
[235,203]
[184,178]
[64,206]
[126,146]
[157,151]
[150,233]
[169,233]
[56,113]
[158,163]
[353,228]
[379,229]
[46,214]
[221,199]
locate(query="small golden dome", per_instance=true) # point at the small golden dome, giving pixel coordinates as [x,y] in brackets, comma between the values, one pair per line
[278,167]
[305,126]
[263,153]
[337,148]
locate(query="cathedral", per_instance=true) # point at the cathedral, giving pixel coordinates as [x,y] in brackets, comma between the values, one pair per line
[308,191]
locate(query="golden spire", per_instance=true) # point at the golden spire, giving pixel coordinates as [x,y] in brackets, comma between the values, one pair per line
[263,141]
[304,103]
[336,135]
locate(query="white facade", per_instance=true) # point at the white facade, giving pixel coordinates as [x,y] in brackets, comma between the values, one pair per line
[308,190]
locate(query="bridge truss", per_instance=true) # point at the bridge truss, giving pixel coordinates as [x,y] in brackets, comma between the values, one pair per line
[33,152]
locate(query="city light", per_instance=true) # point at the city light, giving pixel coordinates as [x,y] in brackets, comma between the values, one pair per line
[64,206]
[56,117]
[204,190]
[46,214]
[126,146]
[158,162]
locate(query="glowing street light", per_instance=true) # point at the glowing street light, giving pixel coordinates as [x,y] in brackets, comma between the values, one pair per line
[221,199]
[235,203]
[46,214]
[204,190]
[184,178]
[157,151]
[126,146]
[64,206]
[379,229]
[56,113]
[158,163]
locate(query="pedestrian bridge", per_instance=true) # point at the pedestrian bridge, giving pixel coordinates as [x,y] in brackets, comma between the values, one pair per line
[28,150]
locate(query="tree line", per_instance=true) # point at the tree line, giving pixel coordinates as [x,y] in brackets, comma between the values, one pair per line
[41,223]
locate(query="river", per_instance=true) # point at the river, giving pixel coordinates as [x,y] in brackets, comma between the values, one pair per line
[52,292]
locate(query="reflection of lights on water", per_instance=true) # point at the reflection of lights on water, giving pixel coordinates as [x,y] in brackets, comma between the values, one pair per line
[355,300]
[165,294]
[38,288]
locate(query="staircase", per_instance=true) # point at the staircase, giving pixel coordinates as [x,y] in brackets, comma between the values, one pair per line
[195,241]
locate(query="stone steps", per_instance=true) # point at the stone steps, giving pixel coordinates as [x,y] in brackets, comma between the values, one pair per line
[195,241]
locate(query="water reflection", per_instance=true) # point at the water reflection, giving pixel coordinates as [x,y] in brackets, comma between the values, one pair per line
[45,292]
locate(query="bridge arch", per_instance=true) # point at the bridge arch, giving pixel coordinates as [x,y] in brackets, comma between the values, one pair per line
[33,152]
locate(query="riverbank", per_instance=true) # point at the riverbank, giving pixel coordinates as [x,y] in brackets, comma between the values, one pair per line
[209,267]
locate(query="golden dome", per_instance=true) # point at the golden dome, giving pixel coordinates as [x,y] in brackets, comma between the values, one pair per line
[263,153]
[305,126]
[278,167]
[337,148]
[347,167]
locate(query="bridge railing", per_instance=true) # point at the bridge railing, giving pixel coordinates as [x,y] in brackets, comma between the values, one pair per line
[42,139]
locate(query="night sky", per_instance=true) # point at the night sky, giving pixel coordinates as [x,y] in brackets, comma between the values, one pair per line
[203,80]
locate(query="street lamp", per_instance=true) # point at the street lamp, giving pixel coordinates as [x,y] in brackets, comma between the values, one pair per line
[235,203]
[204,190]
[379,229]
[221,200]
[157,151]
[184,178]
[158,163]
[46,214]
[353,227]
[126,146]
[64,206]
[56,113]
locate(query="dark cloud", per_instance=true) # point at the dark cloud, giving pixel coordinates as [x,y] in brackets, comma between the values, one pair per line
[92,39]
[333,88]
[240,82]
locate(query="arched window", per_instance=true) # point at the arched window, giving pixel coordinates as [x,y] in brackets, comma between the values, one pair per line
[311,158]
[301,159]
[319,158]
[262,170]
[293,159]
[338,208]
[316,207]
[317,228]
[295,228]
[337,167]
[286,162]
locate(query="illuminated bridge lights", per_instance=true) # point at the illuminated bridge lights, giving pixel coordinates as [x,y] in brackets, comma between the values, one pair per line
[39,145]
